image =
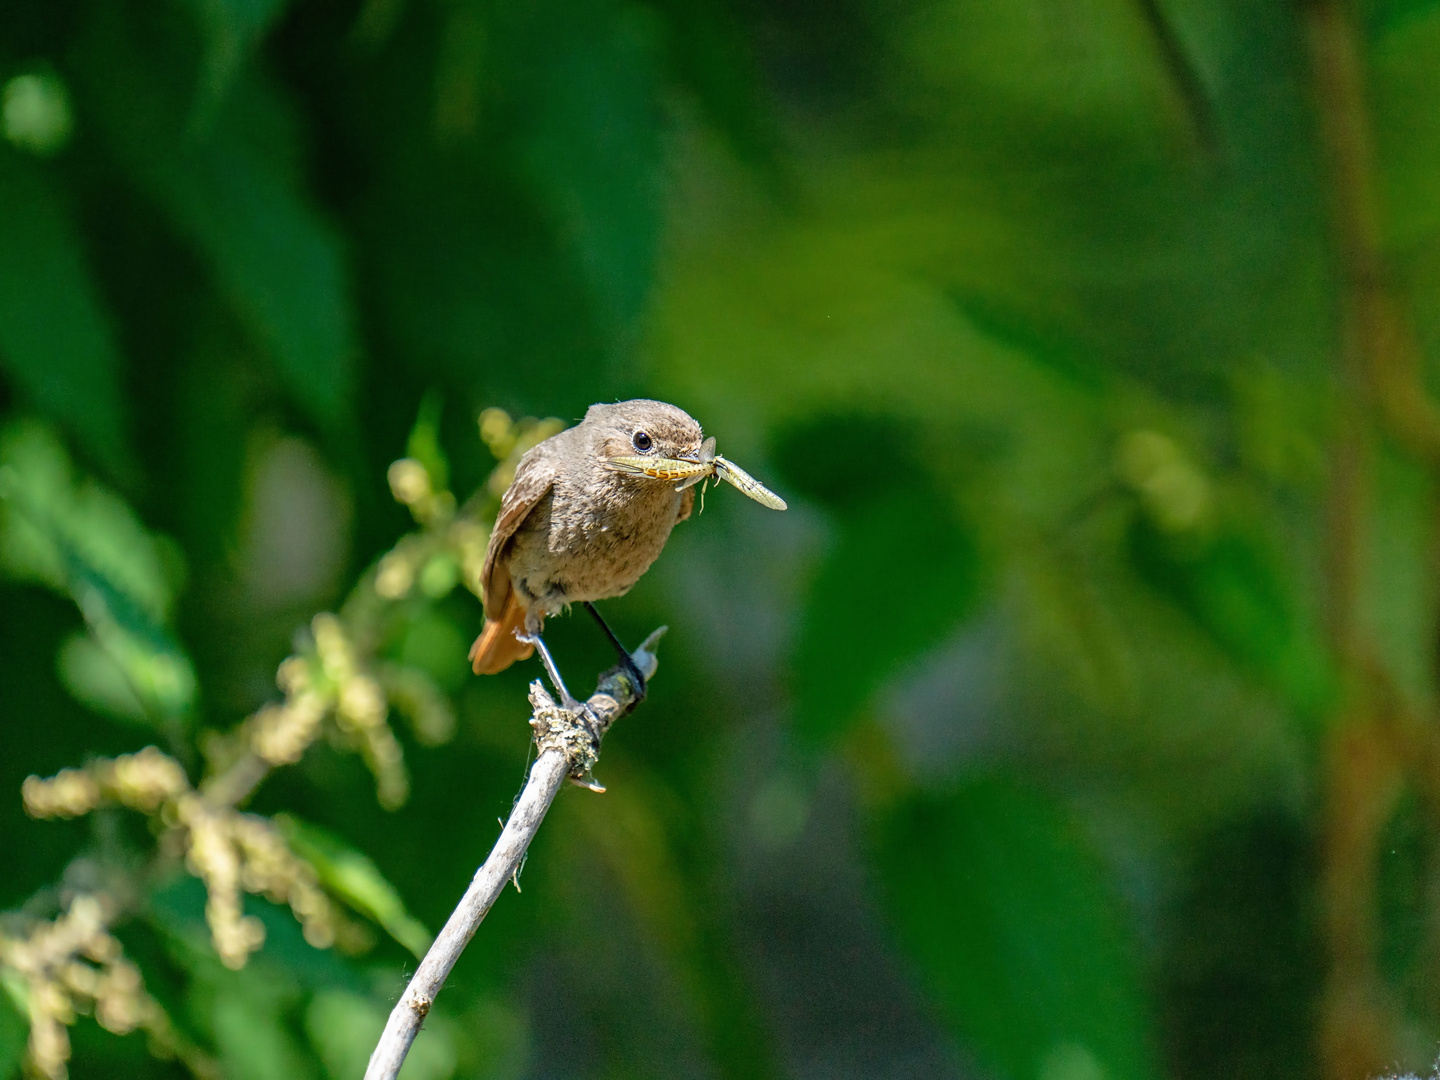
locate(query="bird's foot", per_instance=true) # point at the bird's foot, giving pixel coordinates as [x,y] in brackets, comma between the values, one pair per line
[632,669]
[637,677]
[568,701]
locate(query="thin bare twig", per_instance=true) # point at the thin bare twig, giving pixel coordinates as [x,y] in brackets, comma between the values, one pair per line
[566,747]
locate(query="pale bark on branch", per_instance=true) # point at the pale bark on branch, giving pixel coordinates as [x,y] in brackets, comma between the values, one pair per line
[567,748]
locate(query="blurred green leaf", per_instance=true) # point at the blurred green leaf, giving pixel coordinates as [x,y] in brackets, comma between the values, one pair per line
[496,1043]
[424,442]
[280,265]
[286,963]
[354,878]
[1400,572]
[232,29]
[1236,589]
[1384,16]
[432,643]
[80,539]
[35,113]
[1401,900]
[1007,919]
[254,1039]
[1403,72]
[902,573]
[845,459]
[95,678]
[14,1031]
[632,852]
[592,142]
[232,191]
[707,53]
[344,1027]
[55,339]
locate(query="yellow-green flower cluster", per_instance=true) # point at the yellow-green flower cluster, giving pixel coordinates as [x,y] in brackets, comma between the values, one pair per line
[142,781]
[449,550]
[74,965]
[231,852]
[509,439]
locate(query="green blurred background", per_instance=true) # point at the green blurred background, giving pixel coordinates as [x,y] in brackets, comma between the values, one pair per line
[1078,721]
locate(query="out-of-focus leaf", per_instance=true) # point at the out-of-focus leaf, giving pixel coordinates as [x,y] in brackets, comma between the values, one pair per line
[1401,907]
[1400,568]
[592,140]
[55,339]
[1093,63]
[231,191]
[433,644]
[286,960]
[844,460]
[94,677]
[1403,72]
[708,54]
[903,572]
[1008,922]
[1385,16]
[232,29]
[356,880]
[1243,953]
[35,113]
[424,442]
[629,856]
[53,516]
[496,1041]
[343,1028]
[280,265]
[1236,590]
[469,276]
[82,540]
[13,1033]
[254,1040]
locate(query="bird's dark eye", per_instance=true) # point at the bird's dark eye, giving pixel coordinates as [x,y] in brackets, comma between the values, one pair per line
[641,441]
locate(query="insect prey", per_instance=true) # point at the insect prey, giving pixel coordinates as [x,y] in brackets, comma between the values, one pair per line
[707,465]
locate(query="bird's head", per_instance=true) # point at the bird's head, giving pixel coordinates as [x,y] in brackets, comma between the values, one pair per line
[644,429]
[656,441]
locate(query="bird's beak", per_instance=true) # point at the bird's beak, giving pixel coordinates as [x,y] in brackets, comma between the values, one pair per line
[660,468]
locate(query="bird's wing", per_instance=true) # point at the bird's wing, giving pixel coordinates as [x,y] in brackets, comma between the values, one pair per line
[687,503]
[534,476]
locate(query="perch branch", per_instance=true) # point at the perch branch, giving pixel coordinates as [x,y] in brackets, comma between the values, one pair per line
[566,748]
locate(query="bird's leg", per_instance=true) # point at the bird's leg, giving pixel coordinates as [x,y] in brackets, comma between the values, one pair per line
[626,660]
[567,700]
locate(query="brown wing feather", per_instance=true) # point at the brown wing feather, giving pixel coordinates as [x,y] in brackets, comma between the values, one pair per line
[687,504]
[534,476]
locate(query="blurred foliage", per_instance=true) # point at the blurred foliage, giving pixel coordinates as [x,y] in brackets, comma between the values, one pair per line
[1075,723]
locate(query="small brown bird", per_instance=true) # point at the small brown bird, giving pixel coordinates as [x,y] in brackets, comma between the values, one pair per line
[588,511]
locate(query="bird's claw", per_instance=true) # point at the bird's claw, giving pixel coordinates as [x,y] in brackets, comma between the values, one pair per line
[637,679]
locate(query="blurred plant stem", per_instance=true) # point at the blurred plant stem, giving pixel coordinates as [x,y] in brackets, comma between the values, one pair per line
[1378,744]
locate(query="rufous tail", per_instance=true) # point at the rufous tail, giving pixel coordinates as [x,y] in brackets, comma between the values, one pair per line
[496,648]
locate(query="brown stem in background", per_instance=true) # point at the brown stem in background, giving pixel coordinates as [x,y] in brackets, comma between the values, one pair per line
[1379,348]
[1376,745]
